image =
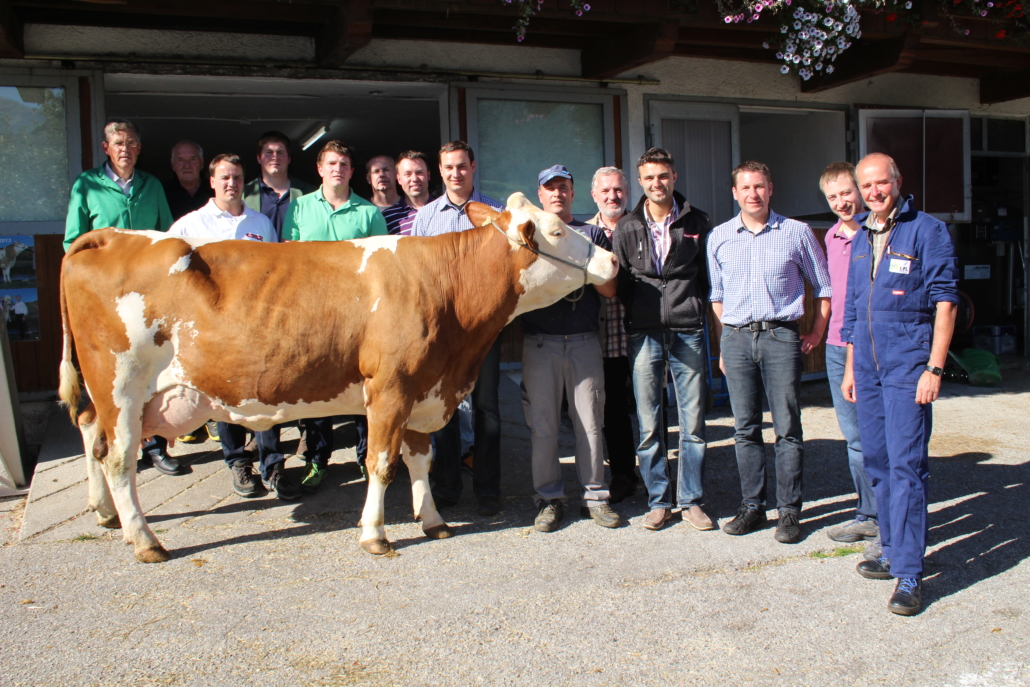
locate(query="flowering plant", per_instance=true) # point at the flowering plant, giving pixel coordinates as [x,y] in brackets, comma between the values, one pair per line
[528,8]
[814,33]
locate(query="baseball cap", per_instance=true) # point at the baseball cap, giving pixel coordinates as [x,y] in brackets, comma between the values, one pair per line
[552,173]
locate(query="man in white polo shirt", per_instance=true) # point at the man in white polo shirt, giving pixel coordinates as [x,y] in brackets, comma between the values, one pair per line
[226,217]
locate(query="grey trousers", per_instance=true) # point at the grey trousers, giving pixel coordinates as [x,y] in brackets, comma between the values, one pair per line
[550,365]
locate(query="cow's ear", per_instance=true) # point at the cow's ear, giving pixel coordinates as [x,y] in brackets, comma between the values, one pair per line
[480,214]
[527,234]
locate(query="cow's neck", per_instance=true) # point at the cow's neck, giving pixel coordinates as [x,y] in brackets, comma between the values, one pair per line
[485,277]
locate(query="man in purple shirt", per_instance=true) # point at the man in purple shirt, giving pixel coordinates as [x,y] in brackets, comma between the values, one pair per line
[839,186]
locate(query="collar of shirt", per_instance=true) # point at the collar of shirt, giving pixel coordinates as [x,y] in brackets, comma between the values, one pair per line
[222,215]
[265,188]
[876,227]
[446,203]
[838,233]
[775,221]
[124,184]
[347,204]
[669,219]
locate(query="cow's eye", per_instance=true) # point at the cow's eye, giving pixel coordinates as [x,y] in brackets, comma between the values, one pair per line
[557,233]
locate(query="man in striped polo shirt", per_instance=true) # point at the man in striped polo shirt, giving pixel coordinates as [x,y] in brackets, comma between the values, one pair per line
[413,176]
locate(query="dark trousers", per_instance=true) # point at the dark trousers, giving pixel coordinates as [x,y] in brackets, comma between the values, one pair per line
[618,432]
[486,474]
[156,444]
[320,438]
[234,439]
[768,361]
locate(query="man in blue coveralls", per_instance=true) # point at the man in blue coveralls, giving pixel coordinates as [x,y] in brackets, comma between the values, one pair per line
[898,321]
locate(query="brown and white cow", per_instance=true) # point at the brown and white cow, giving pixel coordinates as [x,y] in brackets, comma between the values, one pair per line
[171,332]
[8,256]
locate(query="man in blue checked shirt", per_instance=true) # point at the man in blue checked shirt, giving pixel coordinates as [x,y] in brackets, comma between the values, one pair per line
[444,215]
[758,263]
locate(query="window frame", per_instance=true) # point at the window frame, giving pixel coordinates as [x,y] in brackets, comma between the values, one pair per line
[532,94]
[70,84]
[865,113]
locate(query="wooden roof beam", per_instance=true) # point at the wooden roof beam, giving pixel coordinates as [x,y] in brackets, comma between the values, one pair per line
[1000,87]
[866,60]
[10,32]
[348,29]
[646,44]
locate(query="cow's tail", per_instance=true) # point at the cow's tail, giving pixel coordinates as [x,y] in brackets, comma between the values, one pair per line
[69,390]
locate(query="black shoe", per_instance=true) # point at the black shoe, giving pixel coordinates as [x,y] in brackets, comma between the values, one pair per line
[280,484]
[788,530]
[749,517]
[489,505]
[880,569]
[622,488]
[243,479]
[550,514]
[907,598]
[602,514]
[163,462]
[443,502]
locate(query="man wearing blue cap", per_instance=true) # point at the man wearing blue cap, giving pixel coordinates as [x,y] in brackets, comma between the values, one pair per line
[562,353]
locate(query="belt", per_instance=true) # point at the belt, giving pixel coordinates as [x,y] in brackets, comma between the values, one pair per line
[766,326]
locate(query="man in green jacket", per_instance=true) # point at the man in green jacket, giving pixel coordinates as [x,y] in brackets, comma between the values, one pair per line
[332,213]
[274,191]
[116,194]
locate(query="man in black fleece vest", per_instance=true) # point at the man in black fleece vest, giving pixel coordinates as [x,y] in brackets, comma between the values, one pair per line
[663,281]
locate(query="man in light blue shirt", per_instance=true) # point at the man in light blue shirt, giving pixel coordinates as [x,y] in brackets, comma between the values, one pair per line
[758,263]
[447,214]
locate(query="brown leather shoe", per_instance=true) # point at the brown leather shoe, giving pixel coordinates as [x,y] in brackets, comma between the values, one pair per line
[698,518]
[656,519]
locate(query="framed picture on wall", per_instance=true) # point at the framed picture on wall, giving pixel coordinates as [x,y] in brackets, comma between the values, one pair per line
[19,301]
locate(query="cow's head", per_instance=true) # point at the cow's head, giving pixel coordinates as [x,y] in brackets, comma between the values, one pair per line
[563,260]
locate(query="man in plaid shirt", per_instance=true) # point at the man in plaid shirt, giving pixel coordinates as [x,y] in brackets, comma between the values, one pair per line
[609,190]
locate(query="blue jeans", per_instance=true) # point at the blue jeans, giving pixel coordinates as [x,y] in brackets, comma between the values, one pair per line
[847,418]
[768,362]
[684,354]
[234,438]
[320,440]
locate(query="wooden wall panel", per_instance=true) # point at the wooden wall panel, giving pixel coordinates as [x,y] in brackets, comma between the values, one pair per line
[36,362]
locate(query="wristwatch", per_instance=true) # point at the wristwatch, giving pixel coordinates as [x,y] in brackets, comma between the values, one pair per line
[939,371]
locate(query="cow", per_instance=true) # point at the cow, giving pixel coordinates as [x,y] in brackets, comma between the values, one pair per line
[173,331]
[9,256]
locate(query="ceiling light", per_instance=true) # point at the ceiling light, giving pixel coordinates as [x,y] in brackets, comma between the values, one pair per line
[316,133]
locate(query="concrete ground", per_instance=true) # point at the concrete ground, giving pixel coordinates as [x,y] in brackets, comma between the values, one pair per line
[260,592]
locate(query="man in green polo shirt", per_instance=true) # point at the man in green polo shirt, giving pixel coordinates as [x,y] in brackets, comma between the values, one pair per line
[332,213]
[116,194]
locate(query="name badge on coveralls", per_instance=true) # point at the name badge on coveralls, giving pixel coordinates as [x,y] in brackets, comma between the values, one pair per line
[900,266]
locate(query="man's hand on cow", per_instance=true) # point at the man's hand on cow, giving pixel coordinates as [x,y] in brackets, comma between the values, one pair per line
[928,389]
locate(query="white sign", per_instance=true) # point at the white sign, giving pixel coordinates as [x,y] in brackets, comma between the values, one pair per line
[978,272]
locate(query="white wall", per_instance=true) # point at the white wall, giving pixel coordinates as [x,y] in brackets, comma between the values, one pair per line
[515,59]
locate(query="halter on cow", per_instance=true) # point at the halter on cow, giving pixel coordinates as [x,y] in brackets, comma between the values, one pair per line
[171,332]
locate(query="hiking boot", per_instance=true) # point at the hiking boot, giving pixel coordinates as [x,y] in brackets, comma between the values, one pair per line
[880,569]
[489,505]
[602,514]
[907,598]
[212,430]
[243,479]
[697,518]
[313,476]
[193,437]
[873,550]
[856,530]
[279,483]
[788,529]
[549,515]
[749,517]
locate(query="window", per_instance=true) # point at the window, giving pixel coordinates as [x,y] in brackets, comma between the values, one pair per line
[931,149]
[515,134]
[39,149]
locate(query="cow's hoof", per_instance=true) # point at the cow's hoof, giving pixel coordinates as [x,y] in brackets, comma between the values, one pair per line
[441,531]
[152,554]
[111,522]
[377,546]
